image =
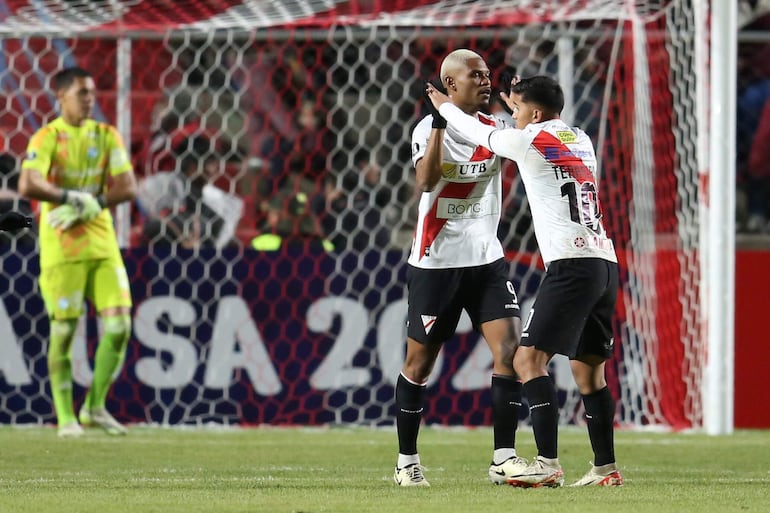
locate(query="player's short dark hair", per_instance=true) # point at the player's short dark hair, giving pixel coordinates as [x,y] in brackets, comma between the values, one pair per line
[541,90]
[64,78]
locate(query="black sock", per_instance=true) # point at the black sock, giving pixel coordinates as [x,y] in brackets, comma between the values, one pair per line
[409,403]
[600,418]
[544,413]
[506,400]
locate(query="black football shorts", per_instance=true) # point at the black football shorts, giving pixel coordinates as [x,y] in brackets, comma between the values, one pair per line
[438,296]
[572,313]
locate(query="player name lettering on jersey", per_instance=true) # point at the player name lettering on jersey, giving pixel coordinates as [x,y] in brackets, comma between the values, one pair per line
[581,173]
[467,208]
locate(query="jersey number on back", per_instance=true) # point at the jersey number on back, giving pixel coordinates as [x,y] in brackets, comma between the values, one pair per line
[583,204]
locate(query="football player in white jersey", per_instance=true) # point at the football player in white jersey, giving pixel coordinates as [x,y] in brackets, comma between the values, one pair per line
[456,263]
[572,314]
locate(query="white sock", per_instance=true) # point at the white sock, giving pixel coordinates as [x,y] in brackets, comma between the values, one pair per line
[501,455]
[407,459]
[549,461]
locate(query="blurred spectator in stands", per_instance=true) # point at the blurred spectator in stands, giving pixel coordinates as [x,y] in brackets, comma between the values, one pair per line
[753,96]
[154,154]
[289,222]
[175,117]
[758,176]
[353,205]
[276,79]
[182,207]
[298,162]
[184,112]
[11,201]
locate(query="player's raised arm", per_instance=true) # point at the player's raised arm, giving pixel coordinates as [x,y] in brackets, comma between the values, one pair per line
[502,142]
[428,168]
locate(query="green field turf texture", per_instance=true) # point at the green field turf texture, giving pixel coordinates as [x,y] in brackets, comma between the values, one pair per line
[344,470]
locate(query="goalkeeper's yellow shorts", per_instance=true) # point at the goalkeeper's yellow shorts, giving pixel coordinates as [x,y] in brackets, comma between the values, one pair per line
[65,286]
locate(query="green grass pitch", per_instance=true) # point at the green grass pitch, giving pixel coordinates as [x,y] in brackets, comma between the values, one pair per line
[340,470]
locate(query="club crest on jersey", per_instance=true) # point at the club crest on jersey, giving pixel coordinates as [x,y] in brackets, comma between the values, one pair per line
[428,321]
[580,242]
[566,136]
[31,155]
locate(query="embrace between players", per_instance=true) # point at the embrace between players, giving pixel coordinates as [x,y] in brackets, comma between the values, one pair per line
[456,262]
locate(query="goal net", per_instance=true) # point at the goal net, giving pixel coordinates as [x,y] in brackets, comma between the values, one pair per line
[301,111]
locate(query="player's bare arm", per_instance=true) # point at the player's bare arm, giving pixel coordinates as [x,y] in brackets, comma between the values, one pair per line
[428,168]
[122,188]
[34,186]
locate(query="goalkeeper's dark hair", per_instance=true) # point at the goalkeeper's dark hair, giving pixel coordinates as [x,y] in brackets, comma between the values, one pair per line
[541,90]
[64,78]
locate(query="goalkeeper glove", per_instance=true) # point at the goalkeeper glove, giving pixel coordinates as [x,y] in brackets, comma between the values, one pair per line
[85,204]
[12,221]
[438,119]
[63,217]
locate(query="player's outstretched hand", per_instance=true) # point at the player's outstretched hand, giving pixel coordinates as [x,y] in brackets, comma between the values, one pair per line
[507,81]
[86,205]
[63,217]
[436,97]
[12,221]
[438,119]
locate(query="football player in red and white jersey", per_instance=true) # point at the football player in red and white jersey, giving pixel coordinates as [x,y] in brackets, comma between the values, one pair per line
[456,263]
[572,314]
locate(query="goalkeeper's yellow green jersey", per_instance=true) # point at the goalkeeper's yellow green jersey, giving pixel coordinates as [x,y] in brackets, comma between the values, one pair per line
[77,158]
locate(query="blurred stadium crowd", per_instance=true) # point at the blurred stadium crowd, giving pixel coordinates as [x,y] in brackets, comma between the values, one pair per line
[246,141]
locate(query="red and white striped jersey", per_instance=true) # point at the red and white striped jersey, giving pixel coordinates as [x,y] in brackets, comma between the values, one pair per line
[457,220]
[558,167]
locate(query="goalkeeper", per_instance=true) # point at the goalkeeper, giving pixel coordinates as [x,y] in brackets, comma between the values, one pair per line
[77,168]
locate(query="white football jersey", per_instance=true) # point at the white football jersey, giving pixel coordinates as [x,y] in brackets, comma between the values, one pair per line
[457,220]
[558,167]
